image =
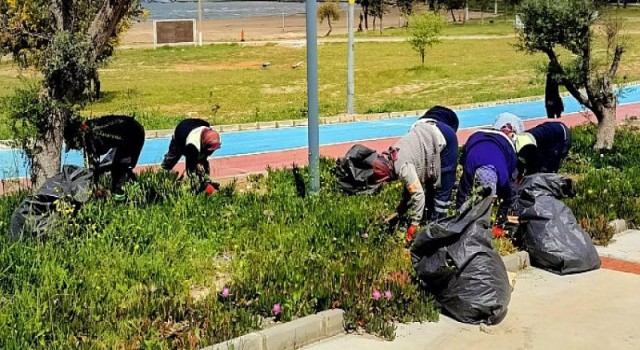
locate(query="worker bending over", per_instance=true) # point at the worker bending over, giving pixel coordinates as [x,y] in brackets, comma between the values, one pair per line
[416,161]
[120,134]
[196,141]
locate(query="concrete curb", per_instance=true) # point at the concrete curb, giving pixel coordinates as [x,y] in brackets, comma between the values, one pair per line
[290,335]
[618,226]
[516,261]
[310,329]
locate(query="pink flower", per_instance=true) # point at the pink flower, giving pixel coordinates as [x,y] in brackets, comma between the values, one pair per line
[276,309]
[225,293]
[376,294]
[365,235]
[388,295]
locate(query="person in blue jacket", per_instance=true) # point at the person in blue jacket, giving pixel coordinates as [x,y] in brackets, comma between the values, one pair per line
[439,199]
[553,140]
[489,162]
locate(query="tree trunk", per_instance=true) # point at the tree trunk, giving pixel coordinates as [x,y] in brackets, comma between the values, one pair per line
[374,22]
[606,127]
[330,27]
[48,151]
[422,56]
[380,24]
[453,16]
[365,9]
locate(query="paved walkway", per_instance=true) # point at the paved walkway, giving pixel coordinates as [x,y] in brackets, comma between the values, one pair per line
[594,310]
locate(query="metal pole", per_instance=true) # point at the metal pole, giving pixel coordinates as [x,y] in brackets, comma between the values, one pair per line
[350,54]
[312,95]
[495,7]
[200,22]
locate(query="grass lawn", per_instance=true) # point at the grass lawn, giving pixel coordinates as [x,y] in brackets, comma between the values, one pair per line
[226,83]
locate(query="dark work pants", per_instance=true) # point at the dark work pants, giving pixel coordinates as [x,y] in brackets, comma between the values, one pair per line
[438,200]
[125,160]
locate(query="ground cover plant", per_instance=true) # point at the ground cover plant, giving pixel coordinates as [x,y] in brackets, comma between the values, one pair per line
[173,270]
[608,186]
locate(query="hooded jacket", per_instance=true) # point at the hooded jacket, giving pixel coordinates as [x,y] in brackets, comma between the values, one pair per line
[488,147]
[417,163]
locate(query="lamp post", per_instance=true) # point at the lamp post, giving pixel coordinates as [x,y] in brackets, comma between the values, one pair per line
[312,95]
[350,59]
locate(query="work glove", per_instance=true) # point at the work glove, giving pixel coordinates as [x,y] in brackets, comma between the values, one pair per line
[498,232]
[411,232]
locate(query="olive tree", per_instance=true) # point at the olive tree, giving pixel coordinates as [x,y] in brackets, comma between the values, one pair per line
[329,10]
[63,40]
[573,26]
[424,31]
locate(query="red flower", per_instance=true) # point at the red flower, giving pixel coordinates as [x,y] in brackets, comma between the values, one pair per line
[84,127]
[209,189]
[498,232]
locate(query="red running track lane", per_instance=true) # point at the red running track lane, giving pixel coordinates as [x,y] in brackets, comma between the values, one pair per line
[238,166]
[620,265]
[255,163]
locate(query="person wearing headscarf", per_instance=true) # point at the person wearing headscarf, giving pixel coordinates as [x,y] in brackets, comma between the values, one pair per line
[196,141]
[119,135]
[439,199]
[415,161]
[489,162]
[553,140]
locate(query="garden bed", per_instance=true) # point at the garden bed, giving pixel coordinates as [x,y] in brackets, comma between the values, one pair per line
[175,270]
[153,272]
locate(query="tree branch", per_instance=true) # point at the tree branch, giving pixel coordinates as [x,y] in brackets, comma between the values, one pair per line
[105,22]
[617,56]
[573,90]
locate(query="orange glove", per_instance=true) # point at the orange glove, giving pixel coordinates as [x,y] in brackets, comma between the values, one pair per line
[411,232]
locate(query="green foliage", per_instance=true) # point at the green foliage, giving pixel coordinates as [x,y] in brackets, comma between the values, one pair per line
[124,276]
[607,182]
[66,67]
[566,23]
[424,31]
[329,10]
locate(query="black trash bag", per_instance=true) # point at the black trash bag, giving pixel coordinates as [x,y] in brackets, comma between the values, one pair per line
[549,231]
[34,216]
[353,171]
[454,260]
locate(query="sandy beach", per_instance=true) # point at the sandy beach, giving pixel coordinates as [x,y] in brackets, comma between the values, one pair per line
[264,28]
[255,28]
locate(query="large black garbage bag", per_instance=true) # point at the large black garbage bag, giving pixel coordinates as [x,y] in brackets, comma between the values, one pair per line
[548,229]
[455,261]
[353,171]
[34,216]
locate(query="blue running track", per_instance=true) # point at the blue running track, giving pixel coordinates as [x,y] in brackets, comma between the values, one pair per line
[270,140]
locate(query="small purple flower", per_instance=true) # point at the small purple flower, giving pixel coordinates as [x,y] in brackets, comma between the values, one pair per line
[365,235]
[276,309]
[376,294]
[388,295]
[225,293]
